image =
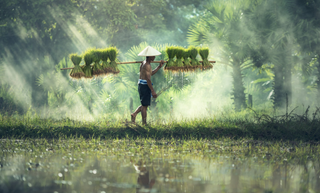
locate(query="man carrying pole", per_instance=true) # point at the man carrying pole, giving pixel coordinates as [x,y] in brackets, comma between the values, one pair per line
[145,87]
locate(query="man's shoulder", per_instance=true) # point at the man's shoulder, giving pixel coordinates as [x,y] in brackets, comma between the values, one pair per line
[146,65]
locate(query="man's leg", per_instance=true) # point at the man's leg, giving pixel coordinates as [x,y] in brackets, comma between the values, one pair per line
[144,114]
[134,114]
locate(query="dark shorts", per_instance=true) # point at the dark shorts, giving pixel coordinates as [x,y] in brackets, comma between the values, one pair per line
[145,94]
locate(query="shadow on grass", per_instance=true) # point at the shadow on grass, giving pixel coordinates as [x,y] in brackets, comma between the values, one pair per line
[290,126]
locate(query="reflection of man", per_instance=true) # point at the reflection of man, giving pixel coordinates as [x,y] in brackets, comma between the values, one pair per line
[145,87]
[143,180]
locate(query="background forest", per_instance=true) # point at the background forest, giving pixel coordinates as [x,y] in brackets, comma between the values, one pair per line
[268,49]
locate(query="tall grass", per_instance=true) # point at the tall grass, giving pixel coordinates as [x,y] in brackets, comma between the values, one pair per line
[252,125]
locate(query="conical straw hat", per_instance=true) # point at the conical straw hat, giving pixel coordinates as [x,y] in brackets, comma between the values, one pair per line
[149,51]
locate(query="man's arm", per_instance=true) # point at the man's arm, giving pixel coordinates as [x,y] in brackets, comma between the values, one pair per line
[148,70]
[140,70]
[156,70]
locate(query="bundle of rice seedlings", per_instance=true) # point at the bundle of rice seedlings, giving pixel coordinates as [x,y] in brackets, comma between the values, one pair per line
[77,71]
[179,54]
[97,69]
[113,52]
[204,53]
[88,60]
[193,55]
[105,65]
[186,62]
[171,54]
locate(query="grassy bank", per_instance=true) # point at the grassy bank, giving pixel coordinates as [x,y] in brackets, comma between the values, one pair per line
[258,127]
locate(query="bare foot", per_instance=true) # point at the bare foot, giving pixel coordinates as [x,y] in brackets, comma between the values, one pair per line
[133,118]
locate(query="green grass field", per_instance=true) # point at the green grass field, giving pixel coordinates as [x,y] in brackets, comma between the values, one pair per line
[249,126]
[219,153]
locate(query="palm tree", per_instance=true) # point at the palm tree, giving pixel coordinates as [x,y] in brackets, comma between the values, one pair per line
[307,32]
[221,26]
[274,29]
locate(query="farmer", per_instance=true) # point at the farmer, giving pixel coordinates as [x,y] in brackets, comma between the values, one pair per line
[145,87]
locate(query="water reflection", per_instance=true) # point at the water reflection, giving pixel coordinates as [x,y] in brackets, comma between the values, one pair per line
[103,171]
[235,177]
[144,182]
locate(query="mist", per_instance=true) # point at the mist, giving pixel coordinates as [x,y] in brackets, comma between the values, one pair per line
[276,52]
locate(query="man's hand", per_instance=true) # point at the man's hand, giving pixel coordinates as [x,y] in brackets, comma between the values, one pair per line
[161,63]
[154,94]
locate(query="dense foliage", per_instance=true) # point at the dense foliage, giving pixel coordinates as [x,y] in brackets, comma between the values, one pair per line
[269,48]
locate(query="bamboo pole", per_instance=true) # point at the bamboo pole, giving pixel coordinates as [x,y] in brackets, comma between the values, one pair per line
[134,63]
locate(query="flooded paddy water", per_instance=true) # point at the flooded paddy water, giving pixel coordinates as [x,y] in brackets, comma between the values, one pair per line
[101,166]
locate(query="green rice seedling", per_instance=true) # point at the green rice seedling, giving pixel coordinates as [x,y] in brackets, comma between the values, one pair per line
[113,52]
[171,54]
[174,64]
[204,53]
[77,71]
[97,69]
[179,55]
[186,61]
[191,67]
[88,60]
[104,57]
[193,55]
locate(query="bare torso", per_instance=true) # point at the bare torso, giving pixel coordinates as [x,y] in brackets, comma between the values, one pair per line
[145,70]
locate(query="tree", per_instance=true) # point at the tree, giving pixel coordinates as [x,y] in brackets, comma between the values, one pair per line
[222,24]
[307,32]
[270,22]
[32,30]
